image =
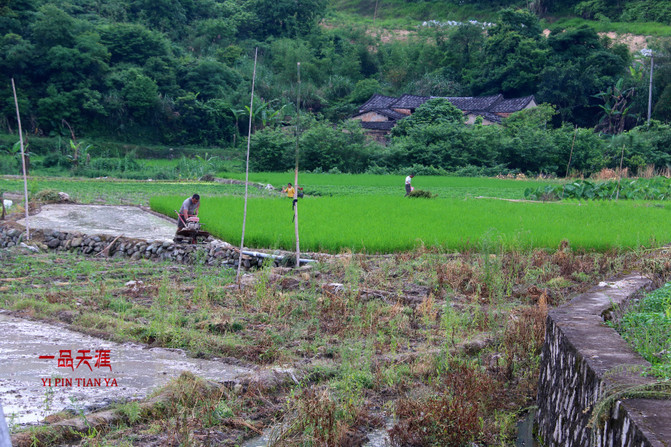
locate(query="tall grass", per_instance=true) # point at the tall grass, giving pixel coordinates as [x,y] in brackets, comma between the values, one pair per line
[383,224]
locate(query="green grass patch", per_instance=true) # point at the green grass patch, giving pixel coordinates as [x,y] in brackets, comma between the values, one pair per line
[638,28]
[384,224]
[647,327]
[394,185]
[121,192]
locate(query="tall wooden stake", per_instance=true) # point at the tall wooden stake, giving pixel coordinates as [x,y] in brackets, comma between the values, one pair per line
[23,159]
[569,160]
[619,177]
[298,121]
[249,139]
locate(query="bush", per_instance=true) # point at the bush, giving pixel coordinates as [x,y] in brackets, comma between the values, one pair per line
[55,160]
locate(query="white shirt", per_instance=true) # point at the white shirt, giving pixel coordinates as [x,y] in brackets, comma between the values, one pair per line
[408,179]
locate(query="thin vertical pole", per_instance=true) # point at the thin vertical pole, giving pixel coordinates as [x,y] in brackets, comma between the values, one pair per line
[298,121]
[652,66]
[569,161]
[23,159]
[375,13]
[249,139]
[619,178]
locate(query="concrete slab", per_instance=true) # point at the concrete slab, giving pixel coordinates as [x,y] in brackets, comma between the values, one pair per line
[129,221]
[28,384]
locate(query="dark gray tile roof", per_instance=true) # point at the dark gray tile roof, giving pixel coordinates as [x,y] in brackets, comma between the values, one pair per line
[485,106]
[378,125]
[511,105]
[409,102]
[489,117]
[472,103]
[391,114]
[377,102]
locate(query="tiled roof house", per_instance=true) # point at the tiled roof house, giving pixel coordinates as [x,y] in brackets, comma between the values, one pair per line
[379,114]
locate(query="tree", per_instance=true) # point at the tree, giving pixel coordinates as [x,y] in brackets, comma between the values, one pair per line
[433,111]
[288,18]
[343,147]
[133,43]
[209,78]
[140,94]
[462,48]
[273,151]
[53,26]
[578,68]
[616,106]
[512,65]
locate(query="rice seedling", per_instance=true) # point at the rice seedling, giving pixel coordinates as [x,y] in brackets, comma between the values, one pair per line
[384,224]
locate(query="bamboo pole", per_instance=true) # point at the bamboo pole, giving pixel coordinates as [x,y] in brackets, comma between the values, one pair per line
[23,160]
[249,139]
[569,161]
[619,177]
[298,121]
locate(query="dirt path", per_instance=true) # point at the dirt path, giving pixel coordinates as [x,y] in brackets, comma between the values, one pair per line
[136,370]
[129,221]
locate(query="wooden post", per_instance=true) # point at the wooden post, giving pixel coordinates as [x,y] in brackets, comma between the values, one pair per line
[619,177]
[23,160]
[569,161]
[249,139]
[298,121]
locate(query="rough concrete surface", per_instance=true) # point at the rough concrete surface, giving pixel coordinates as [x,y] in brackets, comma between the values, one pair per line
[136,369]
[129,221]
[583,360]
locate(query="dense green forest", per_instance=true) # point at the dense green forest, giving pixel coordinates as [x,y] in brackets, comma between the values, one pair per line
[179,73]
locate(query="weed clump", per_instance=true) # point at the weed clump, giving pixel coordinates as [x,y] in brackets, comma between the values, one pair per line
[421,194]
[47,195]
[451,415]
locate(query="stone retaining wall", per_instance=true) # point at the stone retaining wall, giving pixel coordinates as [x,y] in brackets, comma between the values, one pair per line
[211,253]
[584,360]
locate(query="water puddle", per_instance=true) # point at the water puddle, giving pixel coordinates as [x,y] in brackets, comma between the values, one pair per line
[525,431]
[68,377]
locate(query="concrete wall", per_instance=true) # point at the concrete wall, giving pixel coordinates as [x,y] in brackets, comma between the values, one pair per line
[584,360]
[212,253]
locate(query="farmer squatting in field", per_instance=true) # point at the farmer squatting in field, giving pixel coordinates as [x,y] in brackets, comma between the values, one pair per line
[189,209]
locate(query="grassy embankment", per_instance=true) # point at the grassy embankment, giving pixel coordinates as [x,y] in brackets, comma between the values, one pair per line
[647,326]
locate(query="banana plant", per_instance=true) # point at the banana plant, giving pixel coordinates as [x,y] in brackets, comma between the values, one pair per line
[79,151]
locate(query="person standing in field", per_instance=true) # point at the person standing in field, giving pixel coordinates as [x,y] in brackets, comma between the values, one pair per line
[289,190]
[408,187]
[189,209]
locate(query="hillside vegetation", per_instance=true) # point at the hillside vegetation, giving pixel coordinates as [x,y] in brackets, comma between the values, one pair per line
[179,73]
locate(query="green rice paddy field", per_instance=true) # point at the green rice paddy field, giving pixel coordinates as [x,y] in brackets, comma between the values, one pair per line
[376,218]
[393,185]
